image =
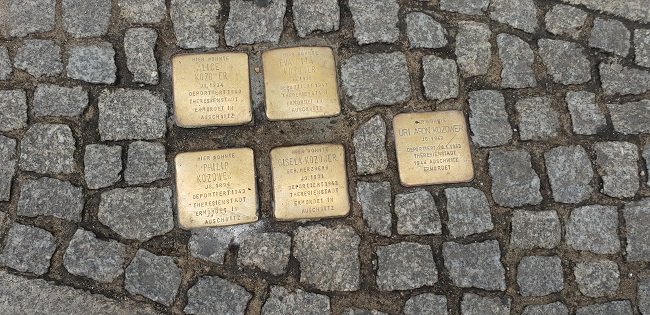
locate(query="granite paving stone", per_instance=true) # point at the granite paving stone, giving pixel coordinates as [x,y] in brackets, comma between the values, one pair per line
[539,275]
[621,80]
[154,277]
[537,119]
[637,227]
[593,228]
[5,64]
[50,197]
[468,211]
[610,36]
[566,62]
[641,47]
[617,165]
[376,79]
[405,266]
[145,163]
[517,59]
[28,17]
[93,63]
[315,15]
[139,44]
[646,157]
[8,162]
[370,146]
[425,32]
[520,14]
[339,247]
[137,213]
[13,110]
[126,114]
[211,244]
[535,229]
[251,22]
[514,182]
[86,18]
[267,251]
[475,265]
[643,294]
[142,12]
[488,118]
[56,100]
[48,149]
[472,7]
[375,21]
[194,23]
[375,201]
[473,48]
[569,172]
[417,213]
[607,308]
[556,308]
[631,9]
[565,20]
[102,165]
[426,302]
[586,117]
[630,118]
[39,57]
[474,304]
[440,78]
[215,295]
[28,249]
[358,311]
[283,302]
[91,257]
[597,278]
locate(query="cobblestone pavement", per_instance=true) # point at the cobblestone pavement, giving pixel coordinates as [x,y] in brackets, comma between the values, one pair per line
[556,220]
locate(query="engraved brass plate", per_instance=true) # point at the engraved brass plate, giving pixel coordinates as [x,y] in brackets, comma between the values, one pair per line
[211,89]
[310,181]
[432,148]
[216,188]
[300,82]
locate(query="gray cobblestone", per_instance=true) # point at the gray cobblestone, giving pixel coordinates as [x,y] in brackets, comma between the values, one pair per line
[617,165]
[621,80]
[139,44]
[488,118]
[597,278]
[473,304]
[48,149]
[194,23]
[517,59]
[608,308]
[5,64]
[135,11]
[631,9]
[283,302]
[514,182]
[54,100]
[405,266]
[145,163]
[86,18]
[370,146]
[537,120]
[210,243]
[593,228]
[374,199]
[646,157]
[27,17]
[51,197]
[631,118]
[473,48]
[28,249]
[358,311]
[13,110]
[566,62]
[535,229]
[214,295]
[315,15]
[91,257]
[39,57]
[642,47]
[426,302]
[375,21]
[556,308]
[520,14]
[565,20]
[569,172]
[152,276]
[473,7]
[586,117]
[417,213]
[643,294]
[468,211]
[8,161]
[102,165]
[267,251]
[540,275]
[131,114]
[440,78]
[475,265]
[424,32]
[637,226]
[93,63]
[251,22]
[610,36]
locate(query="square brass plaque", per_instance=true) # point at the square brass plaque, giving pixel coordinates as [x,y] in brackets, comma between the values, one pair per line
[309,181]
[432,148]
[216,188]
[300,82]
[211,89]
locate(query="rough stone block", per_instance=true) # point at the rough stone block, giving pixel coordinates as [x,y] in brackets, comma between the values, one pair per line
[540,275]
[593,228]
[488,118]
[472,7]
[102,165]
[597,278]
[569,171]
[617,165]
[405,266]
[621,80]
[520,14]
[267,251]
[51,197]
[39,57]
[48,149]
[281,301]
[86,18]
[93,63]
[139,44]
[565,20]
[566,62]
[468,211]
[417,213]
[642,47]
[13,110]
[608,308]
[5,64]
[473,48]
[374,199]
[91,257]
[141,12]
[514,182]
[537,120]
[315,15]
[535,229]
[440,78]
[370,146]
[27,17]
[28,249]
[8,161]
[637,226]
[375,21]
[475,265]
[556,308]
[424,32]
[131,115]
[473,304]
[154,277]
[214,295]
[145,163]
[194,23]
[251,22]
[586,117]
[54,100]
[610,36]
[631,118]
[517,59]
[426,302]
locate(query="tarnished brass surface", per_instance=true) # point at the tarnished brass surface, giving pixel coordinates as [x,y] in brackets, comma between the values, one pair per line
[432,148]
[309,181]
[216,188]
[211,89]
[300,82]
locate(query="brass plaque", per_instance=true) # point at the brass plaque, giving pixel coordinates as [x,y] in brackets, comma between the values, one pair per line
[211,89]
[432,148]
[216,188]
[309,181]
[300,82]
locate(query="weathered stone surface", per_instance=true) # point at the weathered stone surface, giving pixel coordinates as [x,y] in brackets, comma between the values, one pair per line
[609,308]
[39,57]
[102,165]
[537,120]
[210,243]
[357,311]
[47,149]
[13,110]
[375,21]
[267,251]
[145,163]
[475,265]
[194,23]
[91,257]
[566,62]
[641,47]
[593,228]
[139,44]
[86,18]
[5,64]
[405,266]
[637,226]
[643,295]
[281,301]
[51,197]
[517,59]
[338,247]
[631,118]
[424,32]
[214,295]
[55,100]
[565,20]
[137,213]
[8,161]
[488,118]
[376,79]
[556,308]
[473,7]
[28,249]
[131,114]
[646,157]
[520,14]
[468,211]
[617,166]
[440,78]
[154,277]
[374,199]
[514,182]
[597,278]
[426,302]
[140,12]
[93,63]
[630,9]
[26,17]
[251,22]
[539,275]
[370,146]
[473,304]
[417,213]
[621,80]
[586,117]
[569,172]
[473,48]
[532,229]
[610,36]
[315,15]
